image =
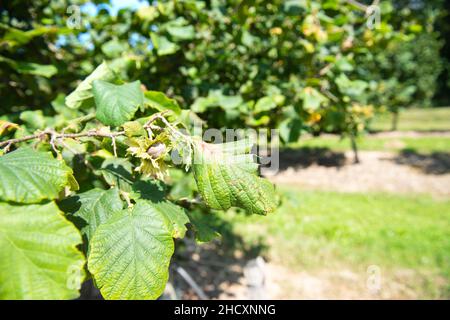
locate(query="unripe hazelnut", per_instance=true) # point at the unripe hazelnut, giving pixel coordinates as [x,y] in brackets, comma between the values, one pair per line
[156,150]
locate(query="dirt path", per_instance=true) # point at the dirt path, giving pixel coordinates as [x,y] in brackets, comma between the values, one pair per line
[378,171]
[283,283]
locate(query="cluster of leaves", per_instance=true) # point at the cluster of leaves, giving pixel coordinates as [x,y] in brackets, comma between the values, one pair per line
[299,66]
[406,66]
[101,207]
[34,67]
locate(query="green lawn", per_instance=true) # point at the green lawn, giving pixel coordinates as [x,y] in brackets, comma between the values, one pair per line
[374,143]
[416,119]
[315,229]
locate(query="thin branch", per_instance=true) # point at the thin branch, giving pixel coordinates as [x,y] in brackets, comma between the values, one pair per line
[55,136]
[183,273]
[154,117]
[114,145]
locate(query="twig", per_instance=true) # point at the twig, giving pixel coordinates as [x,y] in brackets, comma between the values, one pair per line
[192,283]
[325,69]
[154,117]
[55,136]
[113,139]
[329,94]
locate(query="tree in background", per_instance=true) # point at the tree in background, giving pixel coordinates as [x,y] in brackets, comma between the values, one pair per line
[299,66]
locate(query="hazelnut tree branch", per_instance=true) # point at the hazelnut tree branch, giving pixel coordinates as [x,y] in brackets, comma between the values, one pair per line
[55,136]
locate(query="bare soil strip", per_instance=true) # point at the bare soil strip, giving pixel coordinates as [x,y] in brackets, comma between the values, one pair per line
[377,171]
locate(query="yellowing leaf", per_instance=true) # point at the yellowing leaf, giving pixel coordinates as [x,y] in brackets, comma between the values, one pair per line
[7,126]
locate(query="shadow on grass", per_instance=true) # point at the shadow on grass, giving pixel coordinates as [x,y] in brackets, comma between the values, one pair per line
[434,163]
[216,266]
[307,156]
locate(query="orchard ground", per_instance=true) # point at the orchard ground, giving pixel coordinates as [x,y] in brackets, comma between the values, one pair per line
[378,229]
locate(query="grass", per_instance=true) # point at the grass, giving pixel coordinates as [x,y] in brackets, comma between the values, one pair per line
[323,230]
[375,143]
[315,229]
[430,119]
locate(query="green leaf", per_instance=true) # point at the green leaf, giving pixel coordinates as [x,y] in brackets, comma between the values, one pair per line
[36,69]
[352,88]
[226,177]
[150,189]
[175,215]
[130,253]
[118,172]
[154,191]
[93,207]
[14,36]
[134,129]
[117,104]
[216,98]
[290,129]
[265,104]
[114,48]
[147,13]
[29,176]
[30,68]
[38,254]
[34,119]
[181,32]
[204,229]
[161,102]
[83,93]
[229,102]
[162,45]
[312,99]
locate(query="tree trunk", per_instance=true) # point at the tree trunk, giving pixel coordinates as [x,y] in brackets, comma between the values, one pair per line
[394,121]
[355,149]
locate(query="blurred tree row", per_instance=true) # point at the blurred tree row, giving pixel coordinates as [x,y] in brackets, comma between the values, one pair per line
[296,65]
